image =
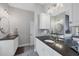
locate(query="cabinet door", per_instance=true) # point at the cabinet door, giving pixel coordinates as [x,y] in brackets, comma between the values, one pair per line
[44,21]
[39,48]
[7,48]
[16,43]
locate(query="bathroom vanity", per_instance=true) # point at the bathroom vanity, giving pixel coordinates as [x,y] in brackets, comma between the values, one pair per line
[44,50]
[8,45]
[58,48]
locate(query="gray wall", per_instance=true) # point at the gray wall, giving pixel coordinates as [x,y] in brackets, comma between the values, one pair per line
[4,5]
[20,19]
[35,7]
[20,16]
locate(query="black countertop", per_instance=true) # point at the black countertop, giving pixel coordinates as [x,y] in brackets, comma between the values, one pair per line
[65,50]
[57,33]
[9,37]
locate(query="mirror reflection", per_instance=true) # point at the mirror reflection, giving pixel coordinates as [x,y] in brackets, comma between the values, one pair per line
[57,24]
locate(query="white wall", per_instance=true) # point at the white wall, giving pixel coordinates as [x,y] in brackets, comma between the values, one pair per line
[20,19]
[75,14]
[4,5]
[36,8]
[20,16]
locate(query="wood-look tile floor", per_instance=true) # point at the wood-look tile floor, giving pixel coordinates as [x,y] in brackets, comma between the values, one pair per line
[26,51]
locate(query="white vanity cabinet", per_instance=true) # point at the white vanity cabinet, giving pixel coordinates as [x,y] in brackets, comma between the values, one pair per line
[44,21]
[44,50]
[8,47]
[16,44]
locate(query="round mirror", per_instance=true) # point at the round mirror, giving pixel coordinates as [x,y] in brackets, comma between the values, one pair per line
[4,27]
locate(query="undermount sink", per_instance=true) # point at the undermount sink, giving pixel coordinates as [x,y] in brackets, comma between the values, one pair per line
[49,41]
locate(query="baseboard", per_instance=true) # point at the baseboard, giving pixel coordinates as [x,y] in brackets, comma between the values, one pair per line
[25,45]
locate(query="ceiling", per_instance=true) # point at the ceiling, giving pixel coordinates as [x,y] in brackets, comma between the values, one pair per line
[47,4]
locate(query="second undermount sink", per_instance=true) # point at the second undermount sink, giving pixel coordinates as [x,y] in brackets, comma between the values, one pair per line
[49,41]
